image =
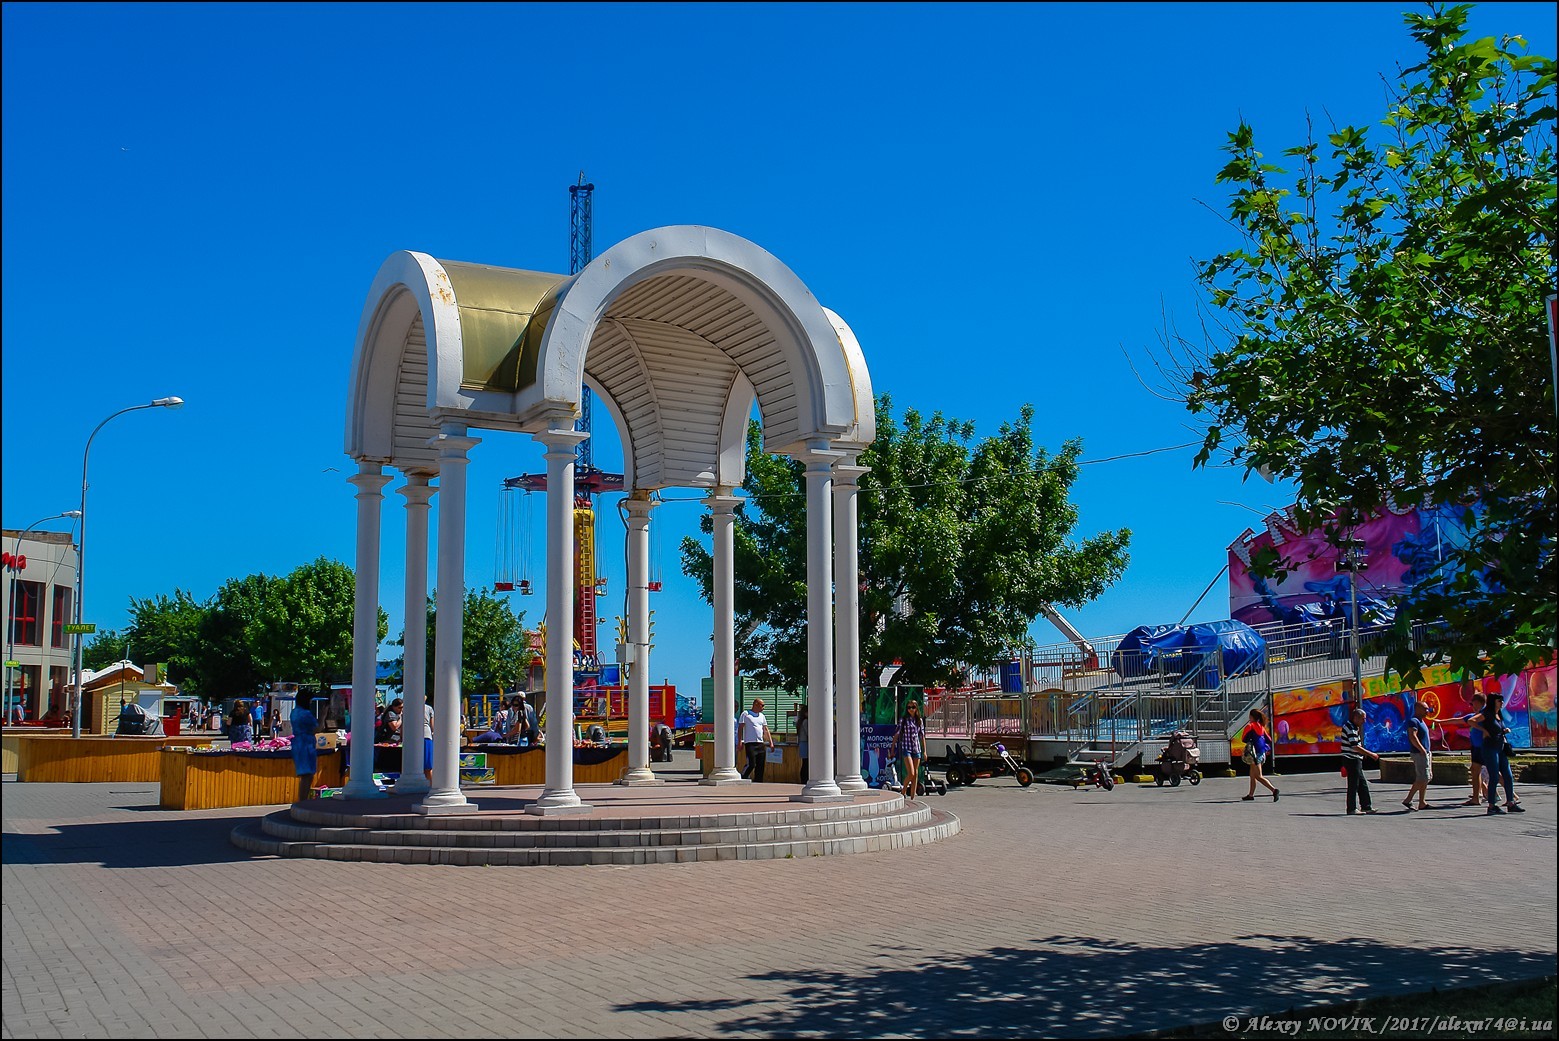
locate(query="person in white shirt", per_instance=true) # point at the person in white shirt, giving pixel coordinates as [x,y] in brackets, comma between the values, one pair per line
[752,733]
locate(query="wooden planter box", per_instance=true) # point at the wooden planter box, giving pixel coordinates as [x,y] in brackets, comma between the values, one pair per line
[529,765]
[1452,769]
[10,743]
[51,758]
[209,780]
[787,771]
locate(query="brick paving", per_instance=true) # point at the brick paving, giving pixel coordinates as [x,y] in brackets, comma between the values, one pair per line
[1053,913]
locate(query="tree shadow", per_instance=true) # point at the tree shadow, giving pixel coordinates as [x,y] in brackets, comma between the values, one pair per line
[1081,987]
[130,844]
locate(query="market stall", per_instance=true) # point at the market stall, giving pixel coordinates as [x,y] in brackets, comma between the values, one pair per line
[203,779]
[52,758]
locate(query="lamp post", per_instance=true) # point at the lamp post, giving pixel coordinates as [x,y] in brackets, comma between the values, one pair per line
[1351,557]
[10,642]
[81,550]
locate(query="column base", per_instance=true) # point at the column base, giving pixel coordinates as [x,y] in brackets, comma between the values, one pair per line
[852,784]
[724,775]
[558,804]
[411,785]
[366,790]
[821,791]
[639,777]
[444,803]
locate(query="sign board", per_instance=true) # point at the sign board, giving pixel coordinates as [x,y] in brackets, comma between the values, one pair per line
[13,664]
[80,628]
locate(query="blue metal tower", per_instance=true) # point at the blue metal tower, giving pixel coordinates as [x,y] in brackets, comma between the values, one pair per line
[579,254]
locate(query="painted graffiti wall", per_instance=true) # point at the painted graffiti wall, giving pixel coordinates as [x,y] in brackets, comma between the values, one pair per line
[1401,550]
[1309,719]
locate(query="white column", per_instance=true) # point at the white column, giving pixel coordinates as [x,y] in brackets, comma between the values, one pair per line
[413,780]
[558,795]
[637,660]
[446,798]
[722,508]
[370,482]
[820,627]
[847,623]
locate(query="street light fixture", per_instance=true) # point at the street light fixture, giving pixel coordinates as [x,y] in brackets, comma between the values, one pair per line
[81,550]
[10,643]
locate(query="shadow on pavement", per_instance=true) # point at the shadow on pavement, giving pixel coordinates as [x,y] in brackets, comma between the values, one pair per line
[130,844]
[1075,987]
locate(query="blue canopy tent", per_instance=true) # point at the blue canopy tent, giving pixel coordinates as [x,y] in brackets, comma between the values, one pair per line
[1179,650]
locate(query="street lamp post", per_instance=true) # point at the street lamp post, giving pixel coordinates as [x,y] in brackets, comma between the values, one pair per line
[10,642]
[81,550]
[1351,557]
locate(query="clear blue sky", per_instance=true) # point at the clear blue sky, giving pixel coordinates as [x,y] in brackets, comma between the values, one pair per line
[1002,200]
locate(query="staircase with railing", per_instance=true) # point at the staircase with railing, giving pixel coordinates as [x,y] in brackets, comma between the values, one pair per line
[1092,713]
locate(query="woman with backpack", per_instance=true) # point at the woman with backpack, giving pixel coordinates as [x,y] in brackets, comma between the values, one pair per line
[1257,744]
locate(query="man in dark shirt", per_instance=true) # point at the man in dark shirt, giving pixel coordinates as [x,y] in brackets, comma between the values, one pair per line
[1353,753]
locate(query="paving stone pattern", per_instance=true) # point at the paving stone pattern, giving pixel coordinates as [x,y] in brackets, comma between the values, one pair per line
[1053,912]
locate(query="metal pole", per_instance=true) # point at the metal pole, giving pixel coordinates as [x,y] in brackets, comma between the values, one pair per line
[1353,595]
[81,552]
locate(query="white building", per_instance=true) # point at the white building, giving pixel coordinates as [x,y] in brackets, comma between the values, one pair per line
[40,600]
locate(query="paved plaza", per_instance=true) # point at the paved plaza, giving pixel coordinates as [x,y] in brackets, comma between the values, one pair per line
[1053,912]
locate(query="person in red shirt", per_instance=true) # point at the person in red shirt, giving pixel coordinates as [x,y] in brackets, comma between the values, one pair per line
[1257,745]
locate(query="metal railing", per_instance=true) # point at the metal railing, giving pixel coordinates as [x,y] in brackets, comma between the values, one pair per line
[1101,710]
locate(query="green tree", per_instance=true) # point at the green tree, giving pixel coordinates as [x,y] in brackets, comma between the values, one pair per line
[1381,334]
[104,648]
[167,629]
[962,543]
[495,653]
[309,621]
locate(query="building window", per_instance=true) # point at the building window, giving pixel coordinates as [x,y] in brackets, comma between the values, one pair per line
[26,622]
[60,616]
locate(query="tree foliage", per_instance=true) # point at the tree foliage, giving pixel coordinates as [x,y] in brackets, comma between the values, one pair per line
[255,629]
[962,543]
[1380,336]
[495,653]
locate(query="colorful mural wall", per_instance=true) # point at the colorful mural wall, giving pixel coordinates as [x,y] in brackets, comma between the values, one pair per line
[1309,719]
[1401,551]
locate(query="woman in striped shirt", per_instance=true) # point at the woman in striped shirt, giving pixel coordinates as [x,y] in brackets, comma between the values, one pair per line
[909,744]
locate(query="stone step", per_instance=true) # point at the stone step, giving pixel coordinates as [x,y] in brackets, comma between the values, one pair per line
[935,825]
[324,814]
[627,832]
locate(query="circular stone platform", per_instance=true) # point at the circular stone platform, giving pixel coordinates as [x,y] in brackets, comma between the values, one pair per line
[662,824]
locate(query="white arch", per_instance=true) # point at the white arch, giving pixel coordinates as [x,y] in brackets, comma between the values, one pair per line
[808,342]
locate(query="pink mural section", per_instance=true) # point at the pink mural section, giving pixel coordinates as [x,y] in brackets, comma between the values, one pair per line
[1309,719]
[1401,549]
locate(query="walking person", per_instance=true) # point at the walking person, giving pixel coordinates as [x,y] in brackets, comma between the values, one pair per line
[1472,721]
[752,733]
[1353,753]
[1257,745]
[1418,747]
[305,751]
[1496,754]
[909,744]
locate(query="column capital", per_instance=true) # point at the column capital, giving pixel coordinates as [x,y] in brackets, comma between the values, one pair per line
[819,459]
[720,503]
[557,440]
[369,482]
[416,490]
[452,446]
[847,472]
[639,508]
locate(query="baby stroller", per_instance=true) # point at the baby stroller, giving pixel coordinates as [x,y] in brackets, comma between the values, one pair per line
[135,721]
[1180,758]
